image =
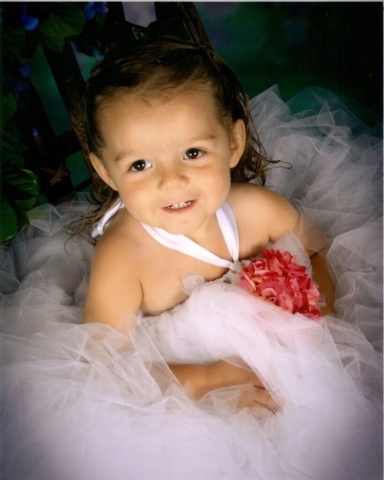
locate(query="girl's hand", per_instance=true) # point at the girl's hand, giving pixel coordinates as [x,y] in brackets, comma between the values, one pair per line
[323,278]
[199,380]
[253,393]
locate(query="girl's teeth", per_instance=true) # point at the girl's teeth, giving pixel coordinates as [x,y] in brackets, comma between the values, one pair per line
[180,205]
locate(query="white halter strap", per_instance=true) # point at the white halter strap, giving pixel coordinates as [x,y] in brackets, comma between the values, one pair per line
[103,222]
[184,245]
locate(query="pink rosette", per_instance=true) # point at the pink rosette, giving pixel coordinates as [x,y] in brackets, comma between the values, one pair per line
[277,278]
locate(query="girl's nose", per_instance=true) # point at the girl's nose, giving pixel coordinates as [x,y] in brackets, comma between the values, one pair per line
[172,177]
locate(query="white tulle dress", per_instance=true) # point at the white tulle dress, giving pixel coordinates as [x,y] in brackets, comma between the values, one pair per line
[88,402]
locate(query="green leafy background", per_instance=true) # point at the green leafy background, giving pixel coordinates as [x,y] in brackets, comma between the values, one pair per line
[57,21]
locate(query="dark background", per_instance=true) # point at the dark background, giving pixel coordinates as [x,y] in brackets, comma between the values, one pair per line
[335,45]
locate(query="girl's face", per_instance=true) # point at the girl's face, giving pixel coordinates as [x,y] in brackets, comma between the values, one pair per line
[169,159]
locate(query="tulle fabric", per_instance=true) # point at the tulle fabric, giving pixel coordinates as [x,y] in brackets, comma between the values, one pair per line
[88,401]
[334,177]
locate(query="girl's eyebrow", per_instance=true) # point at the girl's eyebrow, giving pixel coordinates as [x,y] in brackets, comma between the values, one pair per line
[200,137]
[203,136]
[120,156]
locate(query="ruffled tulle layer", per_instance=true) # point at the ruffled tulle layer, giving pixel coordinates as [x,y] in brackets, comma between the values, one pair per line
[335,178]
[87,401]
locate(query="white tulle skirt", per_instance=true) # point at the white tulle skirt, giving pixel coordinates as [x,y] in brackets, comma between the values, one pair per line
[91,402]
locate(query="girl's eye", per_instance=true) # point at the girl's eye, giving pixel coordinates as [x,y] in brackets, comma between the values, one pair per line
[140,165]
[193,154]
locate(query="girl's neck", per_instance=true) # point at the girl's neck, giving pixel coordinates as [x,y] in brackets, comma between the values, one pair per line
[206,232]
[211,238]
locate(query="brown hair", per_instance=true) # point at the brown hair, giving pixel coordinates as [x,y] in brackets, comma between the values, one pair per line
[160,67]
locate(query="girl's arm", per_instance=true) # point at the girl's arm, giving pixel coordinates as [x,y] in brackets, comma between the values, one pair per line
[199,380]
[316,245]
[322,277]
[104,305]
[114,287]
[270,217]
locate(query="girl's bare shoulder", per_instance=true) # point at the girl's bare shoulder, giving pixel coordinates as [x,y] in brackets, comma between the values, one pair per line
[117,237]
[114,285]
[262,210]
[249,191]
[254,201]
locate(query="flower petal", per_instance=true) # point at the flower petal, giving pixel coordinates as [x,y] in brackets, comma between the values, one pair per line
[277,278]
[29,22]
[101,7]
[26,70]
[89,10]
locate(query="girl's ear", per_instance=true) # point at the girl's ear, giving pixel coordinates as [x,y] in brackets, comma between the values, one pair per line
[99,166]
[237,142]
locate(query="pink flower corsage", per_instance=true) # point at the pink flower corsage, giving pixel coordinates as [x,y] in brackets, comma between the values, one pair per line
[277,278]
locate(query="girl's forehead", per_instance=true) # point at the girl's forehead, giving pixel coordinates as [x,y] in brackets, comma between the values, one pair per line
[166,95]
[132,103]
[187,104]
[135,124]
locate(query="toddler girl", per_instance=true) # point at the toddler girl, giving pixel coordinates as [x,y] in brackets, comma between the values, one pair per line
[167,127]
[162,366]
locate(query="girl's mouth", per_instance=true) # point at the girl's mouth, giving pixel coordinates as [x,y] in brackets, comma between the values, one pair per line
[177,206]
